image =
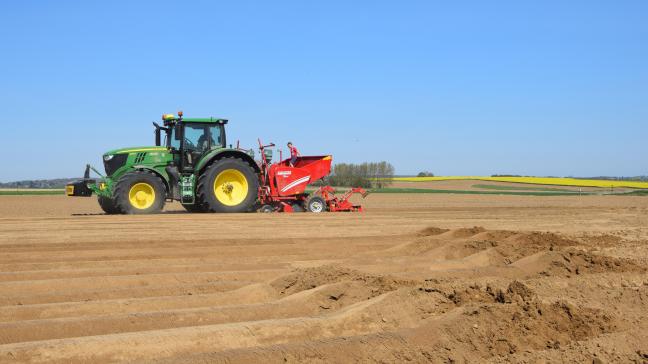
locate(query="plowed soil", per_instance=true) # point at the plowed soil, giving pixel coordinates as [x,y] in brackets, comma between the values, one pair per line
[420,278]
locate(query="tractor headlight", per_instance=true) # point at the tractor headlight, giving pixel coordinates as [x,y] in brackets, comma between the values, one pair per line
[108,157]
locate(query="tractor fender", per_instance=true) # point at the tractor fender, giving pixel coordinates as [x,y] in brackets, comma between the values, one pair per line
[162,174]
[215,155]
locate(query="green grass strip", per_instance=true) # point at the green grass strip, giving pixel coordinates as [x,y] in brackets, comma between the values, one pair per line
[28,192]
[464,192]
[633,193]
[521,188]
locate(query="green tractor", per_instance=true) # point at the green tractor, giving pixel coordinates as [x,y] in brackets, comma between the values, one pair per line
[190,163]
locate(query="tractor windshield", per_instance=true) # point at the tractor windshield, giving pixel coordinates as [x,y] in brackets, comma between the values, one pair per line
[202,137]
[197,137]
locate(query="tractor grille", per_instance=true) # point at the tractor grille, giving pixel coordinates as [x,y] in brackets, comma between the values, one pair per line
[139,158]
[112,165]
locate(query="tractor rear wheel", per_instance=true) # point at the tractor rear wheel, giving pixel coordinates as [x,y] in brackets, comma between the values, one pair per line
[139,192]
[315,204]
[108,205]
[228,185]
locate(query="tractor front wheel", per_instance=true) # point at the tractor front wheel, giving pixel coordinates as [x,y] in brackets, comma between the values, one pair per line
[139,192]
[228,185]
[108,205]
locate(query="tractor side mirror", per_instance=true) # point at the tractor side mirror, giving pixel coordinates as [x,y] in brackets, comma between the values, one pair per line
[177,134]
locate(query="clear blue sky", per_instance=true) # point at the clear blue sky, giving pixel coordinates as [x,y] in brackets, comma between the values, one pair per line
[457,88]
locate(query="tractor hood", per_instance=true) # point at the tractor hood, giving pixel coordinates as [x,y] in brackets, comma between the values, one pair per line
[136,150]
[126,158]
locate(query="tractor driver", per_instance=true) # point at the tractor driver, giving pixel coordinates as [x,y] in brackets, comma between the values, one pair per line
[203,141]
[294,153]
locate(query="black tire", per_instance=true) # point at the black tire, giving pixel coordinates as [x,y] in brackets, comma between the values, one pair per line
[195,208]
[265,209]
[205,191]
[108,205]
[125,185]
[297,207]
[315,204]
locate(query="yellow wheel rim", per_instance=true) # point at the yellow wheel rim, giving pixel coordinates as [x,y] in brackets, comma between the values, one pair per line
[230,187]
[141,195]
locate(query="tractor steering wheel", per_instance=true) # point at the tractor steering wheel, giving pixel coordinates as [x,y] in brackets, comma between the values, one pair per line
[189,144]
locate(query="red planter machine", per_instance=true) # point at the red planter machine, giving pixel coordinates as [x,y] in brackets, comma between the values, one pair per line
[282,187]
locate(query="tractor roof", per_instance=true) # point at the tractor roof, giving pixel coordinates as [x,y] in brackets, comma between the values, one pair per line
[170,118]
[204,120]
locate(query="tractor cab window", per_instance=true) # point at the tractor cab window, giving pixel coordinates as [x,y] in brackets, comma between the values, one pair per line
[201,137]
[173,140]
[197,138]
[216,135]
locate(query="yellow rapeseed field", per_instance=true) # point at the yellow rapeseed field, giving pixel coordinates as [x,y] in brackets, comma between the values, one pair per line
[557,181]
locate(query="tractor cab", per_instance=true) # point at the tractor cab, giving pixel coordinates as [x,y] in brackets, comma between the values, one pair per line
[190,139]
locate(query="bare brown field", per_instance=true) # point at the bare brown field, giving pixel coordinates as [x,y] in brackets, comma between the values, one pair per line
[420,278]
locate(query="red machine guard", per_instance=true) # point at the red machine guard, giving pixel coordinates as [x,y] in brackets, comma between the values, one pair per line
[290,181]
[293,180]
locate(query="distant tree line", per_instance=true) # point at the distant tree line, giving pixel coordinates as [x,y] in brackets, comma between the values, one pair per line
[41,183]
[607,178]
[366,175]
[425,174]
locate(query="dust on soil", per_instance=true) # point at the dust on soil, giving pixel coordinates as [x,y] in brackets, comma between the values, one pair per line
[428,278]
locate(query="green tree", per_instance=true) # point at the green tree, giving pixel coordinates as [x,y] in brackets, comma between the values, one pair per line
[367,175]
[425,174]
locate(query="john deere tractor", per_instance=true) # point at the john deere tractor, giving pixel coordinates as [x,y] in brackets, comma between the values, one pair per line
[190,163]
